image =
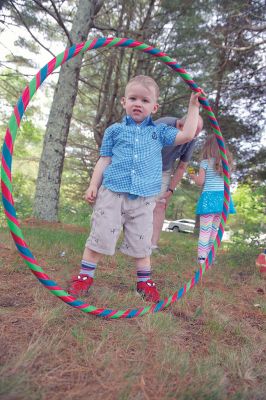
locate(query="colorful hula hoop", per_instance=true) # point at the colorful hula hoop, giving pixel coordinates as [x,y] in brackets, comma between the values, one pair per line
[6,177]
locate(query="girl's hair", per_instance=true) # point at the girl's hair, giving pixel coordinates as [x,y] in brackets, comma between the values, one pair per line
[211,150]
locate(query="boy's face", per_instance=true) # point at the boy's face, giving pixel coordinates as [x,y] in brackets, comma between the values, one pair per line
[139,101]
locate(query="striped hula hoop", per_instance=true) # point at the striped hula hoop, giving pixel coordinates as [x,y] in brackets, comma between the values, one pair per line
[6,177]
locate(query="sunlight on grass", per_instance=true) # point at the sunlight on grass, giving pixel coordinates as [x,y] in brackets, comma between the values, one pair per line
[210,345]
[55,241]
[12,387]
[160,324]
[171,359]
[51,315]
[35,349]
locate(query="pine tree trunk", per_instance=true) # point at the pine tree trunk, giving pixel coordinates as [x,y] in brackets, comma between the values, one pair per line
[52,159]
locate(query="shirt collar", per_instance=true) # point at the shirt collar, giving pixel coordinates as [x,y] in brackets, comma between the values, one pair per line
[128,120]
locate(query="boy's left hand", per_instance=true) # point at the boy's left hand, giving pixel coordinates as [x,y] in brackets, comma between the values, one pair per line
[194,98]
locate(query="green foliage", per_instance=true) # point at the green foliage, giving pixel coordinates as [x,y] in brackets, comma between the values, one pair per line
[183,203]
[27,147]
[217,42]
[21,61]
[29,140]
[28,44]
[250,220]
[250,203]
[2,215]
[23,194]
[77,213]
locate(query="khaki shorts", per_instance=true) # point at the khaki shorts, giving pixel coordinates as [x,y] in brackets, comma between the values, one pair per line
[166,178]
[114,211]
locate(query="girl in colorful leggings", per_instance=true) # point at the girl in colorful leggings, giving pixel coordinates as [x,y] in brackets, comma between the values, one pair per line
[210,203]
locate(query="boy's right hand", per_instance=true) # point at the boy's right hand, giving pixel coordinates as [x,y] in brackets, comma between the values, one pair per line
[91,193]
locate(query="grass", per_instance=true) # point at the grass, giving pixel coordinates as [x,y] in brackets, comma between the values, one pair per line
[208,346]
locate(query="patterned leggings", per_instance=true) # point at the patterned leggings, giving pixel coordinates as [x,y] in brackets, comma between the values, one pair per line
[208,229]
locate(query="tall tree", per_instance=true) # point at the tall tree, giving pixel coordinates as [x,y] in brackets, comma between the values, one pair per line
[122,65]
[52,159]
[195,36]
[219,43]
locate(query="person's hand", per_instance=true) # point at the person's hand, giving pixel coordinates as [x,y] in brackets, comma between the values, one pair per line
[91,193]
[166,197]
[192,176]
[191,170]
[194,99]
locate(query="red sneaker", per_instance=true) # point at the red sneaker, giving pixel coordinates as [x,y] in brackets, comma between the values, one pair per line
[80,285]
[148,291]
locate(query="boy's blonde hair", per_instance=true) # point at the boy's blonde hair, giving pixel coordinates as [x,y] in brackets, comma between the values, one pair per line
[146,81]
[211,150]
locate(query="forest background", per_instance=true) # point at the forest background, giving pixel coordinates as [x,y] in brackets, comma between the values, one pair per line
[211,343]
[221,44]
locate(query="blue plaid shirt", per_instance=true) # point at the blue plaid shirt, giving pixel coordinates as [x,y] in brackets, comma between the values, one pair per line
[136,165]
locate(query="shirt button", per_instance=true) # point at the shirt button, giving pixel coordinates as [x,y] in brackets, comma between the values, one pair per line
[137,140]
[136,156]
[133,171]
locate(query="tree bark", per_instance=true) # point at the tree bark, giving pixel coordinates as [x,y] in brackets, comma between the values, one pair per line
[46,202]
[107,110]
[2,2]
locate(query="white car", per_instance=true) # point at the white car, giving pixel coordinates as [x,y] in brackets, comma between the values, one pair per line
[182,225]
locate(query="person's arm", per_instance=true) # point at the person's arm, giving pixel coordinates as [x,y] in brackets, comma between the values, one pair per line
[178,175]
[191,121]
[200,178]
[96,179]
[176,178]
[182,163]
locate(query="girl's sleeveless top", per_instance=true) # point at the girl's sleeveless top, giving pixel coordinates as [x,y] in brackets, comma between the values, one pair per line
[212,196]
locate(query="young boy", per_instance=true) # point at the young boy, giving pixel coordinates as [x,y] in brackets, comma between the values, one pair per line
[126,180]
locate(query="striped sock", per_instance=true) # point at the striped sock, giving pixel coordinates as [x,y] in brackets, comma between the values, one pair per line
[143,275]
[87,268]
[201,260]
